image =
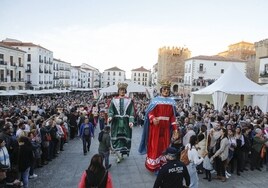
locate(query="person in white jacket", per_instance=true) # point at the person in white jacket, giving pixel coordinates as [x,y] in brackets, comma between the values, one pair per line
[195,160]
[221,155]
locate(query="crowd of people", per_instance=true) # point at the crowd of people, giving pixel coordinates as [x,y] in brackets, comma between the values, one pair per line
[34,130]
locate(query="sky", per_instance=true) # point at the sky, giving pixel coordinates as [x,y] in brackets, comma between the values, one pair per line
[128,33]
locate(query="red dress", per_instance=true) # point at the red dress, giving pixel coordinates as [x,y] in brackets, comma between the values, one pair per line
[159,135]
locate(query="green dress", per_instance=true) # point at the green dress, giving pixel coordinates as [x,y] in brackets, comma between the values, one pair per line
[121,111]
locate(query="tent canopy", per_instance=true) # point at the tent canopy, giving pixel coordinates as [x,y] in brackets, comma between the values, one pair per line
[232,82]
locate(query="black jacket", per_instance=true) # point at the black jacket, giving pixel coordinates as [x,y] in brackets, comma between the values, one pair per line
[171,175]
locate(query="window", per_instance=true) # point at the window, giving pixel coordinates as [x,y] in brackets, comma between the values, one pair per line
[215,64]
[222,71]
[114,73]
[28,67]
[1,57]
[201,67]
[119,73]
[29,57]
[28,78]
[139,74]
[39,58]
[11,60]
[108,73]
[19,61]
[135,74]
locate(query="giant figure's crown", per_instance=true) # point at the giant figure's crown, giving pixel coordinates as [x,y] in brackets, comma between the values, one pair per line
[122,85]
[165,83]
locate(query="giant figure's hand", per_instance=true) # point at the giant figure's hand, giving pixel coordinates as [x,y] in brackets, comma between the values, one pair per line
[156,121]
[175,135]
[130,125]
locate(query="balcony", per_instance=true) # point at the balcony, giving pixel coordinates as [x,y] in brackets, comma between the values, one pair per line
[50,82]
[56,77]
[13,64]
[21,65]
[41,61]
[50,62]
[28,82]
[40,82]
[3,79]
[40,71]
[46,71]
[13,79]
[201,71]
[28,71]
[50,72]
[61,68]
[20,80]
[3,62]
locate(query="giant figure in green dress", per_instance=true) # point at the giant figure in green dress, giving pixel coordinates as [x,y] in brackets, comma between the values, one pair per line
[121,118]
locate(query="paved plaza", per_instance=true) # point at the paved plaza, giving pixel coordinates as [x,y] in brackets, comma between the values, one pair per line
[65,171]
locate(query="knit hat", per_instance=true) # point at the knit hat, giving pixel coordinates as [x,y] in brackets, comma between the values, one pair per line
[258,131]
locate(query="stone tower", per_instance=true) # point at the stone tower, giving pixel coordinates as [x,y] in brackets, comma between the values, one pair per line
[171,63]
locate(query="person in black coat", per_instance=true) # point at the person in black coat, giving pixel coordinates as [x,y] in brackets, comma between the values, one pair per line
[25,158]
[172,173]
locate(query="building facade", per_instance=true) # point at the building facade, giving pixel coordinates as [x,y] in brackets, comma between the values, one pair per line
[141,76]
[245,51]
[202,71]
[12,72]
[261,48]
[263,72]
[38,64]
[61,74]
[112,76]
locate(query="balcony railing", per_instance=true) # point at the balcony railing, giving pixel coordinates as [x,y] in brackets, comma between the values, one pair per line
[40,71]
[20,80]
[3,62]
[3,79]
[13,64]
[28,71]
[201,71]
[28,82]
[40,82]
[55,77]
[41,61]
[21,65]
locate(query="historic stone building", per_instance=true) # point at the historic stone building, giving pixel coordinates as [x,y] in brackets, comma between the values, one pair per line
[171,65]
[244,51]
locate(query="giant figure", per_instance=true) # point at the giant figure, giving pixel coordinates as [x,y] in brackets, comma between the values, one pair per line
[121,118]
[159,127]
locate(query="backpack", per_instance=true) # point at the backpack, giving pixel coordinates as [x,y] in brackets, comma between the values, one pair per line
[86,131]
[100,136]
[184,157]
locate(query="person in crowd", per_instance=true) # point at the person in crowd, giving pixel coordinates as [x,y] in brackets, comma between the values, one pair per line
[121,118]
[86,133]
[36,154]
[173,173]
[73,123]
[25,158]
[105,145]
[189,132]
[96,175]
[258,143]
[221,154]
[195,160]
[160,118]
[4,155]
[102,120]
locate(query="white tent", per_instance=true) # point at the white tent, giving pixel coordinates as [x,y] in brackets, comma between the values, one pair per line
[132,88]
[229,87]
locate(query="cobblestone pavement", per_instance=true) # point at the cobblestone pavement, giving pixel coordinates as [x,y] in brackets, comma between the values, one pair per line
[65,171]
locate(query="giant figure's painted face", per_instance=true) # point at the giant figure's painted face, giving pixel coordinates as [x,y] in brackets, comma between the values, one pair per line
[165,91]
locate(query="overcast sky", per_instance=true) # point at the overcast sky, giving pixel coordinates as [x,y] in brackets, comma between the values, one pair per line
[128,33]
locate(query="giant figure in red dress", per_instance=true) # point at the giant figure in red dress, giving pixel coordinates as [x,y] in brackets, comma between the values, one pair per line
[159,127]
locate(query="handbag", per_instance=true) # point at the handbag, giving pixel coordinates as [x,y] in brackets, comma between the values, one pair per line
[184,157]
